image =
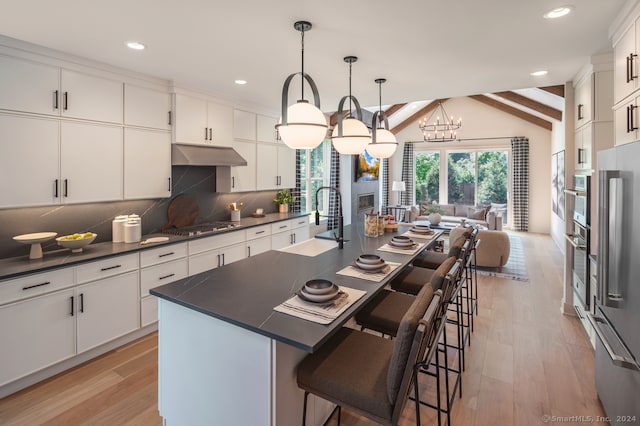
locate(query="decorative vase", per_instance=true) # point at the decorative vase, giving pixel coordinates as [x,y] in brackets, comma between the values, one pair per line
[435,218]
[284,208]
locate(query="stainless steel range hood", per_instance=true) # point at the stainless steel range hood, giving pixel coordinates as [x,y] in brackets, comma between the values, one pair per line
[205,155]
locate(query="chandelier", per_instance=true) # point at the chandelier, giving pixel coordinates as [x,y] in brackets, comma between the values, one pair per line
[442,129]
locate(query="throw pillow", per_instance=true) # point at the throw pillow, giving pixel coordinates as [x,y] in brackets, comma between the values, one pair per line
[478,214]
[424,208]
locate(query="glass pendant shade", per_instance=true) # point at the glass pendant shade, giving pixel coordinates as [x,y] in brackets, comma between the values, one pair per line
[355,137]
[385,145]
[306,126]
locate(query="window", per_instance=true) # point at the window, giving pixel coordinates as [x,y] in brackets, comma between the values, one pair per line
[464,177]
[314,173]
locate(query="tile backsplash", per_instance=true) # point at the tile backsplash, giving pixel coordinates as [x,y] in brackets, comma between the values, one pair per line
[96,217]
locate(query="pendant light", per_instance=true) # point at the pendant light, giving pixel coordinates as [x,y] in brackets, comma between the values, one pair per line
[351,135]
[302,125]
[383,142]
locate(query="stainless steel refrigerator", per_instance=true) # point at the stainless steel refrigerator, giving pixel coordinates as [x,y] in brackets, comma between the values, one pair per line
[617,315]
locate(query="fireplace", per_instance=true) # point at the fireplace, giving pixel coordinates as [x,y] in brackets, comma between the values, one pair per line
[366,202]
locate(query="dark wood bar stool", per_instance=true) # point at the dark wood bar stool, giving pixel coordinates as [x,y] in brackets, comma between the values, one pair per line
[369,374]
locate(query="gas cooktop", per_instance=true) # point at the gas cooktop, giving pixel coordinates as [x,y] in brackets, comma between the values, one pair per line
[203,228]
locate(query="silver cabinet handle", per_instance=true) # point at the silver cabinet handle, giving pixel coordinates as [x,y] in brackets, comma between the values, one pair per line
[600,325]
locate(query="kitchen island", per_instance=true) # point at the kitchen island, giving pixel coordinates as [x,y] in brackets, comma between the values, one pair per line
[226,357]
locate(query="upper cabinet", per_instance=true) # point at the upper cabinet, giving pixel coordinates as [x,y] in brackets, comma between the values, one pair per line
[244,125]
[147,164]
[626,63]
[199,121]
[33,87]
[147,107]
[266,127]
[584,101]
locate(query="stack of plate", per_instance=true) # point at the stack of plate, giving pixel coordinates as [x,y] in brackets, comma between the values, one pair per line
[421,229]
[401,241]
[370,262]
[319,291]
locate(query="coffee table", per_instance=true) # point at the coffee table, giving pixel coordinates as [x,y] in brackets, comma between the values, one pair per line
[446,227]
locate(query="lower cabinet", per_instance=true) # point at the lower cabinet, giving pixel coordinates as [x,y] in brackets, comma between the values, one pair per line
[215,258]
[157,275]
[289,232]
[36,333]
[107,309]
[258,245]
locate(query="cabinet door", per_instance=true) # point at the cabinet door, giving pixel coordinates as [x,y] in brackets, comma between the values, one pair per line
[623,84]
[622,114]
[91,160]
[243,178]
[286,166]
[147,164]
[204,261]
[30,161]
[266,167]
[191,120]
[220,121]
[91,98]
[584,102]
[107,309]
[244,125]
[301,234]
[232,253]
[29,86]
[259,245]
[266,127]
[577,143]
[146,107]
[35,334]
[281,240]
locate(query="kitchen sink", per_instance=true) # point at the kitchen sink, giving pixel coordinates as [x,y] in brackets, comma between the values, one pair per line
[311,248]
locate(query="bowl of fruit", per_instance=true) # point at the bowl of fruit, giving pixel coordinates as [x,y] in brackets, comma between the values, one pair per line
[76,242]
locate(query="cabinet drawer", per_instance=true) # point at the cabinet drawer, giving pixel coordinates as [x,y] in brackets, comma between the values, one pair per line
[33,285]
[148,310]
[281,226]
[164,273]
[107,267]
[300,222]
[258,231]
[218,241]
[162,254]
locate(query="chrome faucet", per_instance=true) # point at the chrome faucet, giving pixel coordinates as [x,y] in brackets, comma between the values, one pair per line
[340,237]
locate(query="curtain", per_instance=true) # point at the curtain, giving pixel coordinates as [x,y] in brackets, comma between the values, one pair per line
[406,197]
[296,208]
[385,185]
[520,153]
[334,181]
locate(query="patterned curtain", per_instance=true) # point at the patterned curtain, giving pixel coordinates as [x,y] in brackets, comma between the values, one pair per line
[334,181]
[384,202]
[406,197]
[520,152]
[297,190]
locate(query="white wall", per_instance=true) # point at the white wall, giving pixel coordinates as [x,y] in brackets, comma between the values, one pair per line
[562,140]
[482,121]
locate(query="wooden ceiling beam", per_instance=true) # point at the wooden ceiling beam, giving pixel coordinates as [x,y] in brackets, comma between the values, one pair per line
[393,109]
[415,117]
[513,111]
[556,114]
[555,90]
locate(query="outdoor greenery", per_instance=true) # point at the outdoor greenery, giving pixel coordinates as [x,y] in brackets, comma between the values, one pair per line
[492,169]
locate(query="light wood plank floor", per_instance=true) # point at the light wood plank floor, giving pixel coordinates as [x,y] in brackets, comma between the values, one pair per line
[526,360]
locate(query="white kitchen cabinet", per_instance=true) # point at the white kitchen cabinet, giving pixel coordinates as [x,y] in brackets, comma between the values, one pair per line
[29,86]
[244,125]
[583,102]
[198,121]
[243,178]
[147,163]
[266,129]
[583,138]
[31,159]
[288,232]
[160,274]
[105,268]
[626,121]
[107,309]
[91,162]
[90,98]
[626,64]
[276,166]
[258,240]
[216,258]
[35,285]
[36,333]
[146,107]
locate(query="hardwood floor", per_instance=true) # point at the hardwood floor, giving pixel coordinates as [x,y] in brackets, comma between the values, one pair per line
[526,361]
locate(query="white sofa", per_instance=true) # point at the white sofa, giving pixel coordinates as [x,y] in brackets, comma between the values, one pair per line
[453,213]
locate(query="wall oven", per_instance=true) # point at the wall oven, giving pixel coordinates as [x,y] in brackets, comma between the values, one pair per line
[580,238]
[582,206]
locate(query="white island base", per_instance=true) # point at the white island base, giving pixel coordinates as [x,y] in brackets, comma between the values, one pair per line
[211,372]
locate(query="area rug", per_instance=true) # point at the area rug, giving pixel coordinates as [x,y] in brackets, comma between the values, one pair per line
[516,267]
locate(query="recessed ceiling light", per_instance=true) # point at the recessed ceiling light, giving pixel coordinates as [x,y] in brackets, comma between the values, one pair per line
[240,82]
[558,12]
[539,73]
[135,45]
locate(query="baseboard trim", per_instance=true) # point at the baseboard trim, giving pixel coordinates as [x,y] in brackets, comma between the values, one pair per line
[62,366]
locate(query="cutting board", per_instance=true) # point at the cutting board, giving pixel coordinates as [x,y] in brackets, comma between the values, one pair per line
[182,211]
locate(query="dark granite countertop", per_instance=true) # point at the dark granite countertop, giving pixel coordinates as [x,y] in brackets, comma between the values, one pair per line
[244,293]
[16,266]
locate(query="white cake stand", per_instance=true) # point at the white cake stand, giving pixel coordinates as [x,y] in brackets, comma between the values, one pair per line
[35,240]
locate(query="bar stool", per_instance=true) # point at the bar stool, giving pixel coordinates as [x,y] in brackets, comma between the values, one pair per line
[433,259]
[368,374]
